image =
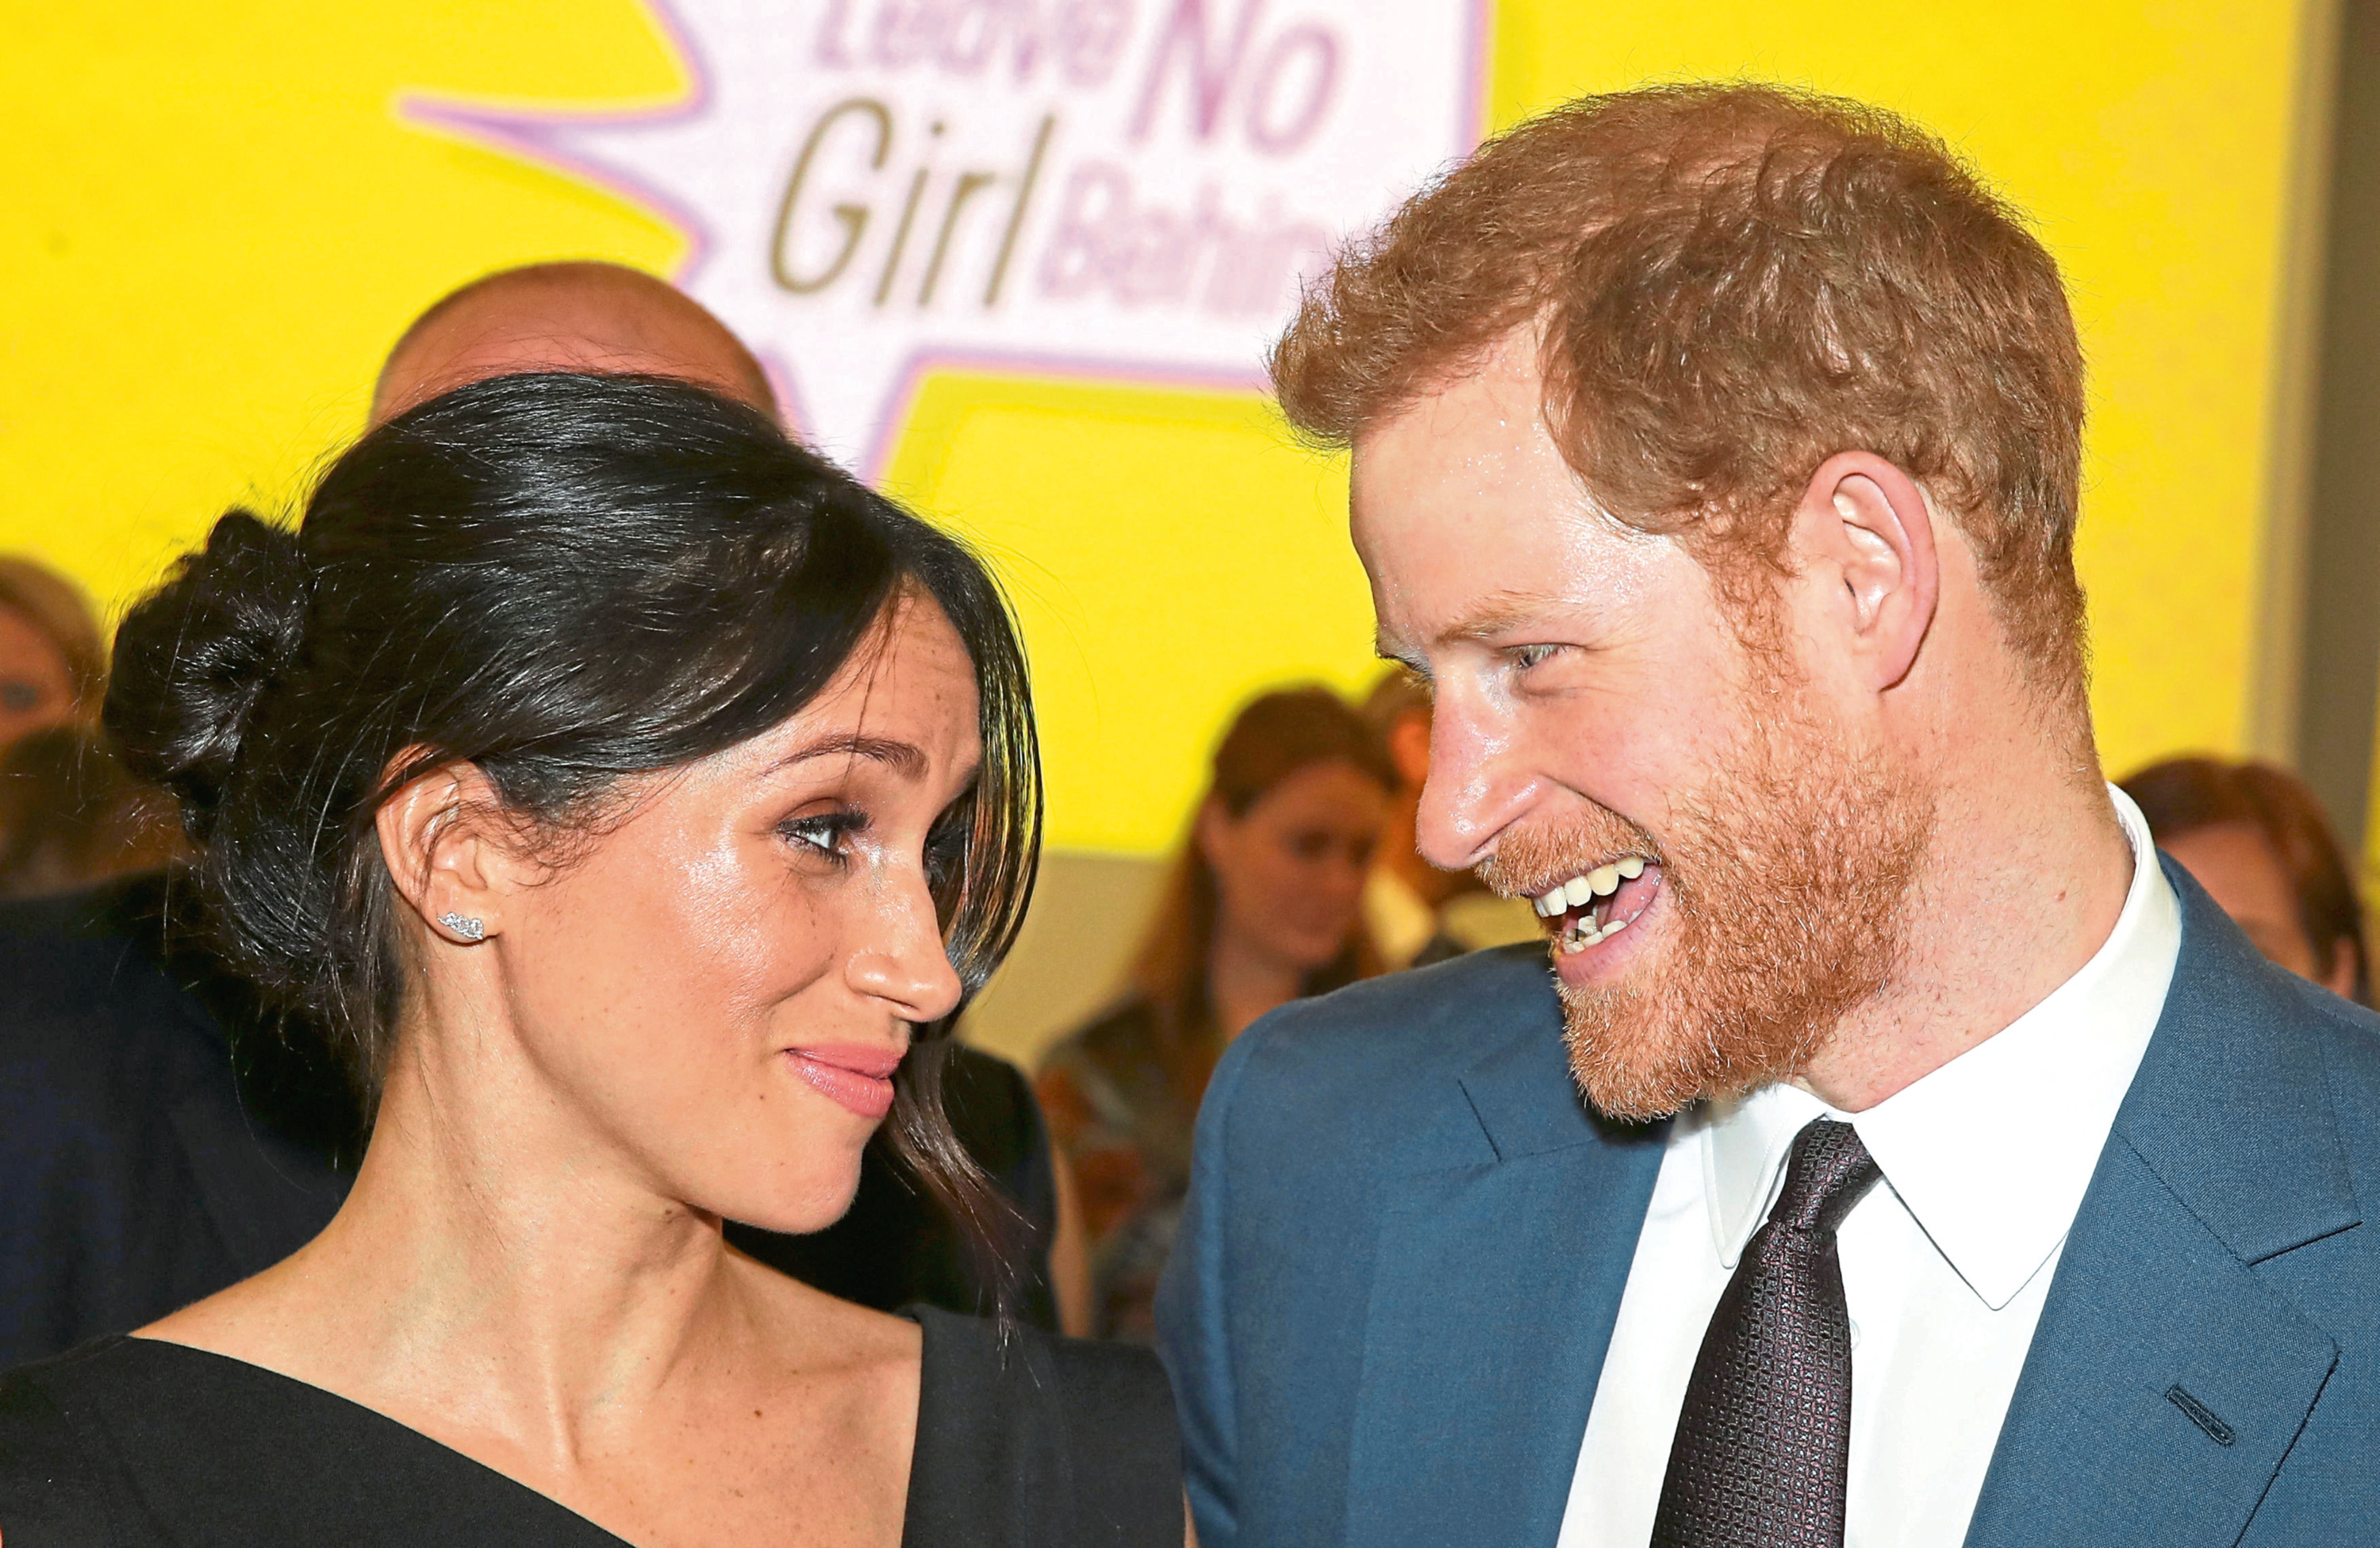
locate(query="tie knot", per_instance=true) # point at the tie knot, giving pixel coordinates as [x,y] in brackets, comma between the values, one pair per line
[1828,1172]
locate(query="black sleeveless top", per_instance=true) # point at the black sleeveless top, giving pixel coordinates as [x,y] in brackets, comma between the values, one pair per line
[131,1442]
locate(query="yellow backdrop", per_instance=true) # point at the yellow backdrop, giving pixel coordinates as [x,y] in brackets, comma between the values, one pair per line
[216,224]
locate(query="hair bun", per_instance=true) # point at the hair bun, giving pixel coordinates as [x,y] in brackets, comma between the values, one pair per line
[195,657]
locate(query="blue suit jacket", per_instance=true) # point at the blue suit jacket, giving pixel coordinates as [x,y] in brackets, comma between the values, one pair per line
[1406,1241]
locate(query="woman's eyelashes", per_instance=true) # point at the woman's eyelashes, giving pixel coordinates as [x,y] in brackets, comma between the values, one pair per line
[946,848]
[826,833]
[844,833]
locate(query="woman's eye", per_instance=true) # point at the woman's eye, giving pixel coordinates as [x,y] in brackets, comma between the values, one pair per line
[829,833]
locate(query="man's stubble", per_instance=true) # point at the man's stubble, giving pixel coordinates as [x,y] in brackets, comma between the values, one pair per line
[1786,884]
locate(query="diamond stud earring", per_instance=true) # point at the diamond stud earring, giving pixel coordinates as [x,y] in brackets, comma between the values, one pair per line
[470,930]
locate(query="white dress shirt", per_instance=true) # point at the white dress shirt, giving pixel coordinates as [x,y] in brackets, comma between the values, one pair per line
[1946,1263]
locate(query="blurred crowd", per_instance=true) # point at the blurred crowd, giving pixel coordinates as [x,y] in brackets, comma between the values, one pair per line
[70,814]
[1298,874]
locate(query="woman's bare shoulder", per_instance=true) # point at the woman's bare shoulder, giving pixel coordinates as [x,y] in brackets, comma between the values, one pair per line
[263,1321]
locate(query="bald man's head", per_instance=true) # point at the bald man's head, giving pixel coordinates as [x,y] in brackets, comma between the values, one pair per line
[566,317]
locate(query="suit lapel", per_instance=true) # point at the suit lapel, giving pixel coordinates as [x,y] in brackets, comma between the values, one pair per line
[2163,1387]
[2168,1381]
[1490,1312]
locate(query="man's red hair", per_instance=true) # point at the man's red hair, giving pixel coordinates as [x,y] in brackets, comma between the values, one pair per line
[1726,284]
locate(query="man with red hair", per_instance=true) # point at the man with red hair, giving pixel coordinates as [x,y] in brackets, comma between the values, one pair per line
[1947,1170]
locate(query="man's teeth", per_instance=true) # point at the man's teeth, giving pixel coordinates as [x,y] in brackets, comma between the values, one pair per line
[1577,897]
[1580,942]
[1580,891]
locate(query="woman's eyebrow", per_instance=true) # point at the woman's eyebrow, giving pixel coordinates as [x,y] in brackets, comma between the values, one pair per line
[901,758]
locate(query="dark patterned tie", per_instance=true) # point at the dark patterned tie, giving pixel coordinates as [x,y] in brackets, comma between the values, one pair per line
[1764,1440]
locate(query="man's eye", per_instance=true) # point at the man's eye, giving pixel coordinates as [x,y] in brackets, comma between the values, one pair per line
[1526,656]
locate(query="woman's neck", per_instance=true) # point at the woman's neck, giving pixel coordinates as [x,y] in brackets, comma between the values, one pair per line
[497,1271]
[1244,981]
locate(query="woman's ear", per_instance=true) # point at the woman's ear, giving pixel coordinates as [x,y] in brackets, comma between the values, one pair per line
[450,853]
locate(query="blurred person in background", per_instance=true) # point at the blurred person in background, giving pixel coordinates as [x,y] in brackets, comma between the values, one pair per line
[1263,906]
[568,316]
[1418,914]
[2256,838]
[69,814]
[52,662]
[163,1135]
[72,815]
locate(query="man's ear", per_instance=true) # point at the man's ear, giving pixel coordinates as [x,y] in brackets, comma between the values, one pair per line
[450,853]
[1865,530]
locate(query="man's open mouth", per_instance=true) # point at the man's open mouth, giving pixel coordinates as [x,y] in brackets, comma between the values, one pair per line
[1593,907]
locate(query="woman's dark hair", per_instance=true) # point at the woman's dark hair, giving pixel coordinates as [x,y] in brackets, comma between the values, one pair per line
[561,580]
[2183,795]
[1273,737]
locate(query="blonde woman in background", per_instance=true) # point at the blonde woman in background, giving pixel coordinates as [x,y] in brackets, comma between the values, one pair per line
[70,814]
[1264,906]
[53,661]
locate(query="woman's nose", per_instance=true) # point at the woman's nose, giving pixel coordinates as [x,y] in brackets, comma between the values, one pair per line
[905,961]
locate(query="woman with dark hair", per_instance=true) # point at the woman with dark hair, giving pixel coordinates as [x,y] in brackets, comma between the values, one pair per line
[2256,838]
[635,798]
[1263,906]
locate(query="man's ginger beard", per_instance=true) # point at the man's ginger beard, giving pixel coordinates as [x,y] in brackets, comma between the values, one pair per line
[1784,904]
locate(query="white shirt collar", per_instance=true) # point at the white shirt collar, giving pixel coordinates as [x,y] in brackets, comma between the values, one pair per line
[1991,1154]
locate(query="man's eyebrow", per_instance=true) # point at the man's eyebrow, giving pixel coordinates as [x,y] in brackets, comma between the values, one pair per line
[1495,614]
[1393,650]
[901,758]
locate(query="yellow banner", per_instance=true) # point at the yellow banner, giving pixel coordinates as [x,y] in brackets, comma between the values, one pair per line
[219,219]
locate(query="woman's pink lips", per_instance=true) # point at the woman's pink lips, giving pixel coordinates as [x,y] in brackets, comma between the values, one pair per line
[858,1076]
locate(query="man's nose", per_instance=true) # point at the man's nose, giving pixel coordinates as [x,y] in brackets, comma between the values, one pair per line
[1473,792]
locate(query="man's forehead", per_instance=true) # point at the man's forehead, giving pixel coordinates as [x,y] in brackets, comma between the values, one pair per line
[1465,424]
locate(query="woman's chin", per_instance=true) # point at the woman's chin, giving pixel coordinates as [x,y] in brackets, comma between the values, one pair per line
[797,1209]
